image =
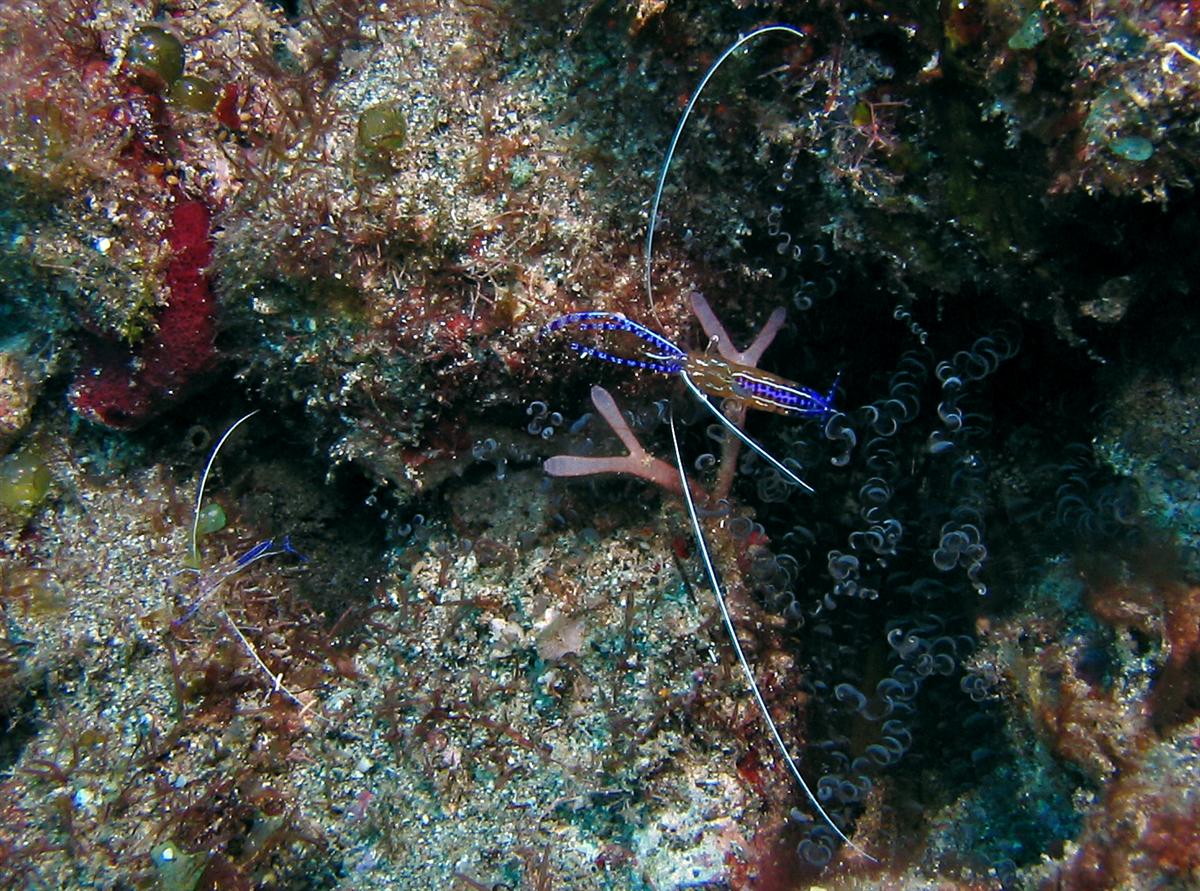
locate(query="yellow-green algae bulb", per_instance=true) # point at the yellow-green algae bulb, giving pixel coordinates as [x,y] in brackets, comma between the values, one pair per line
[195,93]
[211,519]
[36,591]
[382,129]
[24,480]
[155,55]
[177,870]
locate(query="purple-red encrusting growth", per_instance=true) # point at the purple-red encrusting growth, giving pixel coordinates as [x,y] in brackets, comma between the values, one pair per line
[124,389]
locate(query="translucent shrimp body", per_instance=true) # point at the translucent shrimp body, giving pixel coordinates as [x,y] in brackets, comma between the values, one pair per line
[753,387]
[712,375]
[704,375]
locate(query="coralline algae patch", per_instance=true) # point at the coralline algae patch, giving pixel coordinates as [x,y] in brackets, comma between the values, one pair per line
[1147,832]
[564,700]
[1152,439]
[506,708]
[400,197]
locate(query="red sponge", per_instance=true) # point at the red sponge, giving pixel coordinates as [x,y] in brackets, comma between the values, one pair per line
[124,388]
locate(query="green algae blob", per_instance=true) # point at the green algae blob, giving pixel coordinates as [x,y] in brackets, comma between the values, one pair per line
[37,591]
[24,481]
[39,131]
[520,171]
[155,56]
[1030,34]
[195,93]
[177,871]
[1132,148]
[211,519]
[382,130]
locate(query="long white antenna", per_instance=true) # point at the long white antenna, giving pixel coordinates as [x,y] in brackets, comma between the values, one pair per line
[715,583]
[662,174]
[204,481]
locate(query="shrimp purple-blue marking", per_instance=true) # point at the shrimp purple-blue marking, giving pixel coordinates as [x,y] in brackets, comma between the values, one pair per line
[710,374]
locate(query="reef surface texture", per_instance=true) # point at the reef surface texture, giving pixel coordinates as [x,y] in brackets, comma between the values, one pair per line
[342,539]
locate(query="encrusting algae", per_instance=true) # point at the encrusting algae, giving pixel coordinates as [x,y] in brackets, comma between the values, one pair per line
[384,645]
